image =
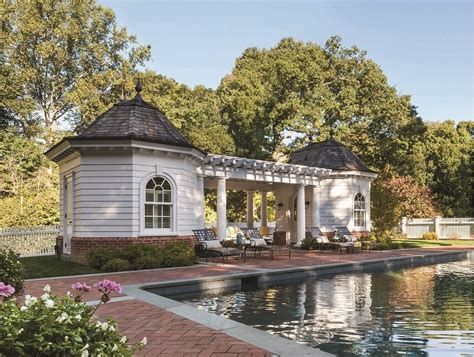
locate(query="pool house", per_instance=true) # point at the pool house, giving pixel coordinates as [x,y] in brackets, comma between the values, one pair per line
[132,177]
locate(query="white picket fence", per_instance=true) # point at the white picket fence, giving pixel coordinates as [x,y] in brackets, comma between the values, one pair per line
[30,241]
[445,228]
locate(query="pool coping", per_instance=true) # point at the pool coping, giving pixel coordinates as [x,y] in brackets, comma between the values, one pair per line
[275,344]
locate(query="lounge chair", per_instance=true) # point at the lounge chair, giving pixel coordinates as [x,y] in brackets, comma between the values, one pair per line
[322,242]
[208,244]
[258,243]
[347,238]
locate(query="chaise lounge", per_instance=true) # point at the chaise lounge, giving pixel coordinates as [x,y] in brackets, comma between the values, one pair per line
[322,242]
[209,245]
[258,243]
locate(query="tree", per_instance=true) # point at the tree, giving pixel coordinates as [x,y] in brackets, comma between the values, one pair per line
[279,99]
[64,60]
[394,197]
[195,112]
[29,184]
[442,160]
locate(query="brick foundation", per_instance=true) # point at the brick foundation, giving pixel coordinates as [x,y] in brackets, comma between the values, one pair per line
[80,246]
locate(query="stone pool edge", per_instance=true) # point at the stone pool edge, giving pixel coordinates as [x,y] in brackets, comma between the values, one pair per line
[274,344]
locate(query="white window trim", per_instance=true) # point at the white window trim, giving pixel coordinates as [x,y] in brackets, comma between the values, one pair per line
[359,228]
[155,232]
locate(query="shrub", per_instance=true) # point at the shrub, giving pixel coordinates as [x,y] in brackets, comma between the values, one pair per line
[430,236]
[134,252]
[308,243]
[60,326]
[141,256]
[178,254]
[148,262]
[116,264]
[98,257]
[12,271]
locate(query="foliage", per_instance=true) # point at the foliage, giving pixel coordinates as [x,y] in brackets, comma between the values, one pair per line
[52,325]
[141,256]
[278,99]
[308,243]
[397,197]
[177,254]
[61,56]
[12,271]
[195,112]
[148,262]
[116,264]
[443,160]
[29,183]
[430,236]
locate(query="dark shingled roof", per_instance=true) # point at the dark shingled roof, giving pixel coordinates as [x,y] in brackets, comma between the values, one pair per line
[135,119]
[328,154]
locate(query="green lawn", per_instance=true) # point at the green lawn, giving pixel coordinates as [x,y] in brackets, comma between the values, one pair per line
[420,243]
[49,266]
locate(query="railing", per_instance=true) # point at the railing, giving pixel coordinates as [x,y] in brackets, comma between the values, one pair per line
[445,228]
[30,241]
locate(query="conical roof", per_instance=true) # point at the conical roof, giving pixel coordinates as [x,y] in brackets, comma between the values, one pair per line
[135,119]
[328,154]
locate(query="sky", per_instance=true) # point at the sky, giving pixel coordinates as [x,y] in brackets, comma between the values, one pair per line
[426,49]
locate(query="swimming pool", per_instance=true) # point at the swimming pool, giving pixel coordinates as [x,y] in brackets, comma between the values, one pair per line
[419,311]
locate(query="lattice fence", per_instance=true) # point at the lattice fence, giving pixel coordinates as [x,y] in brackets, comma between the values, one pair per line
[30,241]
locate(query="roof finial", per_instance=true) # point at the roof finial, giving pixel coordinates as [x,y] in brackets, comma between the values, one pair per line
[138,88]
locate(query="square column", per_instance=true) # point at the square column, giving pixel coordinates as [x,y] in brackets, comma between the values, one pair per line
[263,212]
[250,209]
[315,205]
[300,224]
[221,209]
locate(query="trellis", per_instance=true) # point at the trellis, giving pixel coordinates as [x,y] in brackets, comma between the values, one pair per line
[30,241]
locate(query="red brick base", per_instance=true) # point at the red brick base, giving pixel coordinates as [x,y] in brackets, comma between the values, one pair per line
[80,246]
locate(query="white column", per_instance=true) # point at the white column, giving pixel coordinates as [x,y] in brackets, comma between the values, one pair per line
[315,205]
[263,213]
[250,209]
[300,224]
[221,208]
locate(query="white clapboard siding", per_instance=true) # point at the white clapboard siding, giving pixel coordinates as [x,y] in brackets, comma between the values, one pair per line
[189,195]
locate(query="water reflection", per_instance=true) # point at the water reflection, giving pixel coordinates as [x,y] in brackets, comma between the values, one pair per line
[425,311]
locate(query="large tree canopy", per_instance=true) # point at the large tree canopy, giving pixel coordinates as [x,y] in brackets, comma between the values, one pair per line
[63,59]
[276,100]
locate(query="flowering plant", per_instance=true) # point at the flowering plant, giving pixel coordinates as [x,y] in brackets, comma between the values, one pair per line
[53,325]
[12,271]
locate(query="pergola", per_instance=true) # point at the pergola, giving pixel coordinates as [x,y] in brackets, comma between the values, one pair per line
[222,172]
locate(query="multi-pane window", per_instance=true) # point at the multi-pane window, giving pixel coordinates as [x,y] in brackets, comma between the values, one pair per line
[158,203]
[359,210]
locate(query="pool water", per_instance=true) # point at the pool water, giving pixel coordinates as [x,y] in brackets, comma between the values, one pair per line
[423,311]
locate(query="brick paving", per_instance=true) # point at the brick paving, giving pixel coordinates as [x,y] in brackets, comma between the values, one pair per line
[172,335]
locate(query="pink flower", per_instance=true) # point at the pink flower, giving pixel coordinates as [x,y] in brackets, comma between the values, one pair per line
[6,290]
[109,286]
[81,287]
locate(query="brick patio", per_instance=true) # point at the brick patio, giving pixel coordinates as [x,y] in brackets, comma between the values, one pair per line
[171,335]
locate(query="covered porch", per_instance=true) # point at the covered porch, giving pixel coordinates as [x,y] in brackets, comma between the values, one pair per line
[296,189]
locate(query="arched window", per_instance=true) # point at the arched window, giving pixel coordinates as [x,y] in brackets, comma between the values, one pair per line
[359,210]
[158,203]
